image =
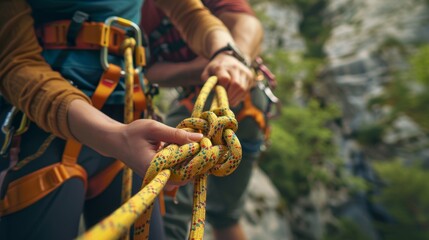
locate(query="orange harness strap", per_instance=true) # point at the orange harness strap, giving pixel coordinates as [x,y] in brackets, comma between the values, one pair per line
[25,191]
[99,182]
[249,110]
[91,36]
[188,103]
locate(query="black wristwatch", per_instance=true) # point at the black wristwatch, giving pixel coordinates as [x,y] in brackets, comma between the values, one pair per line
[233,51]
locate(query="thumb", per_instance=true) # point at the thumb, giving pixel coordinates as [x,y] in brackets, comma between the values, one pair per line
[175,135]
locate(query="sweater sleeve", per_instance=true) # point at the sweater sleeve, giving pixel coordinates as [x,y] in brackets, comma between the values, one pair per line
[217,7]
[193,21]
[26,80]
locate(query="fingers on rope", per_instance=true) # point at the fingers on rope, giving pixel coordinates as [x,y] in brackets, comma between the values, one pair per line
[218,153]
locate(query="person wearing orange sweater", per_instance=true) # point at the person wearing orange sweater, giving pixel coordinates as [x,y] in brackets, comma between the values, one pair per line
[174,64]
[53,88]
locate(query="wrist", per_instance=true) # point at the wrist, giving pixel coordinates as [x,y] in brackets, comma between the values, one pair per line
[231,50]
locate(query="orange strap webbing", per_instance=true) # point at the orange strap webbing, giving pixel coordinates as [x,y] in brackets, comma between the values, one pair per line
[249,110]
[188,102]
[92,35]
[99,182]
[25,191]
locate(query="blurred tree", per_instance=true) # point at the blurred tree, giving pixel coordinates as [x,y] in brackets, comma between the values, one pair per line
[406,195]
[408,93]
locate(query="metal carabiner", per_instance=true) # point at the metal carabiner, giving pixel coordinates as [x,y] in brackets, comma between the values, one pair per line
[105,40]
[7,124]
[9,129]
[266,81]
[7,141]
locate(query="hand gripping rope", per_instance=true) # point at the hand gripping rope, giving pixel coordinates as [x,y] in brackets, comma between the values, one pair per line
[218,153]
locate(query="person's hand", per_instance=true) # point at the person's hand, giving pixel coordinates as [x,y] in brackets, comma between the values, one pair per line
[232,74]
[140,140]
[135,144]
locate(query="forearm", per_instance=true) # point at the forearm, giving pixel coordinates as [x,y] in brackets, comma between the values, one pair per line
[168,74]
[93,128]
[135,143]
[27,81]
[246,30]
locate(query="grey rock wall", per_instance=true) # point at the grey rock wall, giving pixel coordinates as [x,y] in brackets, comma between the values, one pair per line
[358,67]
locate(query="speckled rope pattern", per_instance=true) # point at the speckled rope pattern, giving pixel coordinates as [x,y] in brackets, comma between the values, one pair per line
[218,153]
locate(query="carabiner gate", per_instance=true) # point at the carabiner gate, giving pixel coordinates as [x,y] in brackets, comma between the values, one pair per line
[105,43]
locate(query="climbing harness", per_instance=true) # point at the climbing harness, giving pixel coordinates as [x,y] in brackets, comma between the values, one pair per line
[109,39]
[266,82]
[166,45]
[218,153]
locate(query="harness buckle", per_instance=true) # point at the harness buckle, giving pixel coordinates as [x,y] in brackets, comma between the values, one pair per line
[79,18]
[105,41]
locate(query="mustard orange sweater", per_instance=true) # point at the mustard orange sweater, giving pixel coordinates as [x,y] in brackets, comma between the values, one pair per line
[29,83]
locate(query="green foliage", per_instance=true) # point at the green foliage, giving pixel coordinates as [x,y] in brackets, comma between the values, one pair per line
[407,199]
[370,135]
[290,67]
[408,93]
[420,63]
[301,143]
[313,26]
[345,229]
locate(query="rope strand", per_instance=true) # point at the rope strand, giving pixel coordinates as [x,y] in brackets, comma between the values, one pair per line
[218,153]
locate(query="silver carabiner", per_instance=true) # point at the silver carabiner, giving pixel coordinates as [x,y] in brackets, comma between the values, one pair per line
[105,42]
[5,128]
[10,130]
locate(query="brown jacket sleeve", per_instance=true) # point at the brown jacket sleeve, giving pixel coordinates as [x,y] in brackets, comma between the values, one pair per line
[26,80]
[193,21]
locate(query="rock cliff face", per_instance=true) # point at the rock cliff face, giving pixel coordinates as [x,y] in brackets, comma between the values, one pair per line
[265,217]
[281,27]
[369,40]
[360,52]
[264,209]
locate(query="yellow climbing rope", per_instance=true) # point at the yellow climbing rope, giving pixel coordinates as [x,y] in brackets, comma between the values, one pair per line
[127,176]
[218,153]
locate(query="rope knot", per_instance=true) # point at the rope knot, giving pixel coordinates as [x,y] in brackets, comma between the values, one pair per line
[218,153]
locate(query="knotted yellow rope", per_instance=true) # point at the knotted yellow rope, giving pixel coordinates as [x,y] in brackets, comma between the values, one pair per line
[218,153]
